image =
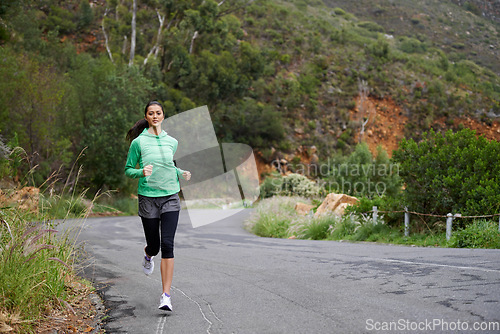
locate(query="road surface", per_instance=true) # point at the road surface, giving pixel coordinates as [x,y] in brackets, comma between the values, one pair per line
[229,281]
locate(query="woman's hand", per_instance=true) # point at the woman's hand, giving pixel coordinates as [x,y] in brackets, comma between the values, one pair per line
[147,170]
[186,175]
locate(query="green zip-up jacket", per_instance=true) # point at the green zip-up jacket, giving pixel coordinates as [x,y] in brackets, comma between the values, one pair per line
[149,149]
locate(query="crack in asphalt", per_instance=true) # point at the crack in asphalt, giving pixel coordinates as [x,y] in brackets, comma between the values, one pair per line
[210,323]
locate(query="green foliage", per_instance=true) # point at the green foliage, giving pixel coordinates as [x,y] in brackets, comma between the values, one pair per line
[276,217]
[271,186]
[60,20]
[289,185]
[479,234]
[339,11]
[451,173]
[85,14]
[412,45]
[299,185]
[273,217]
[253,123]
[361,175]
[259,67]
[36,266]
[120,103]
[314,228]
[389,204]
[371,26]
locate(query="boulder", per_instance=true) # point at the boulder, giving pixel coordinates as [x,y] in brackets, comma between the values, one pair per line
[303,209]
[335,203]
[340,209]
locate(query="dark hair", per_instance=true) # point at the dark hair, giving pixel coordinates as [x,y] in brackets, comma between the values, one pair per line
[141,124]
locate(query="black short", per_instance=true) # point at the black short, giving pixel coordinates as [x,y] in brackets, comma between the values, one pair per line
[153,207]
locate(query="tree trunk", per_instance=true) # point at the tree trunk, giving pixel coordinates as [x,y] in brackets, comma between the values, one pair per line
[154,49]
[133,35]
[365,114]
[195,35]
[106,37]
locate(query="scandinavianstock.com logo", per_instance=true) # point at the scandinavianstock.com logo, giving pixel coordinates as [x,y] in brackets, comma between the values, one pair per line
[223,175]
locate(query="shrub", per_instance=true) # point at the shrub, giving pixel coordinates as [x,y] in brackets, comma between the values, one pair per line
[339,11]
[371,26]
[290,185]
[451,173]
[412,45]
[479,234]
[362,175]
[271,185]
[299,185]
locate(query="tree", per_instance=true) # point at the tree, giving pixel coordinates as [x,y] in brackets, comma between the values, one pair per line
[119,102]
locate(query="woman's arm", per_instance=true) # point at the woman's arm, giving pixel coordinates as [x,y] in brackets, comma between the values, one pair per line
[134,154]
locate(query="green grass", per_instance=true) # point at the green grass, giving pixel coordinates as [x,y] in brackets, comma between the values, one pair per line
[276,217]
[123,205]
[35,262]
[273,217]
[479,234]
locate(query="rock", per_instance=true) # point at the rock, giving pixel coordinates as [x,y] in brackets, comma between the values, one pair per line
[303,209]
[340,209]
[299,131]
[335,203]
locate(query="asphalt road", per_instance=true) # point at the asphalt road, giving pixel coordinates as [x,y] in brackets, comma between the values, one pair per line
[229,281]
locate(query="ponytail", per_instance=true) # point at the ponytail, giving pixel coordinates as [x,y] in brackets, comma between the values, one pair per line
[142,124]
[137,129]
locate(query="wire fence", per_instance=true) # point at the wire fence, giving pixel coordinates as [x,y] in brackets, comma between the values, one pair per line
[449,218]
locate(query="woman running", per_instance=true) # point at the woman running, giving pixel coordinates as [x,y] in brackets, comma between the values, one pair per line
[159,205]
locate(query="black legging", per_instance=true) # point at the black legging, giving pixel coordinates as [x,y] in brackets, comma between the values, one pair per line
[152,229]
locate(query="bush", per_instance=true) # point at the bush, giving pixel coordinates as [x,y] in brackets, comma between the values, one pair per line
[290,185]
[412,45]
[363,176]
[339,11]
[479,234]
[450,173]
[271,185]
[299,185]
[371,26]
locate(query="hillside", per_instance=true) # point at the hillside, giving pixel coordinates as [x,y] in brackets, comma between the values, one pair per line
[295,80]
[464,29]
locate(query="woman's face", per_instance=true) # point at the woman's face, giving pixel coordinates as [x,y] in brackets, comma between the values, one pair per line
[154,116]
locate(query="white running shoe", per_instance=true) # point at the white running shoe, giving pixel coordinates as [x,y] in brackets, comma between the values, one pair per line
[165,303]
[148,266]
